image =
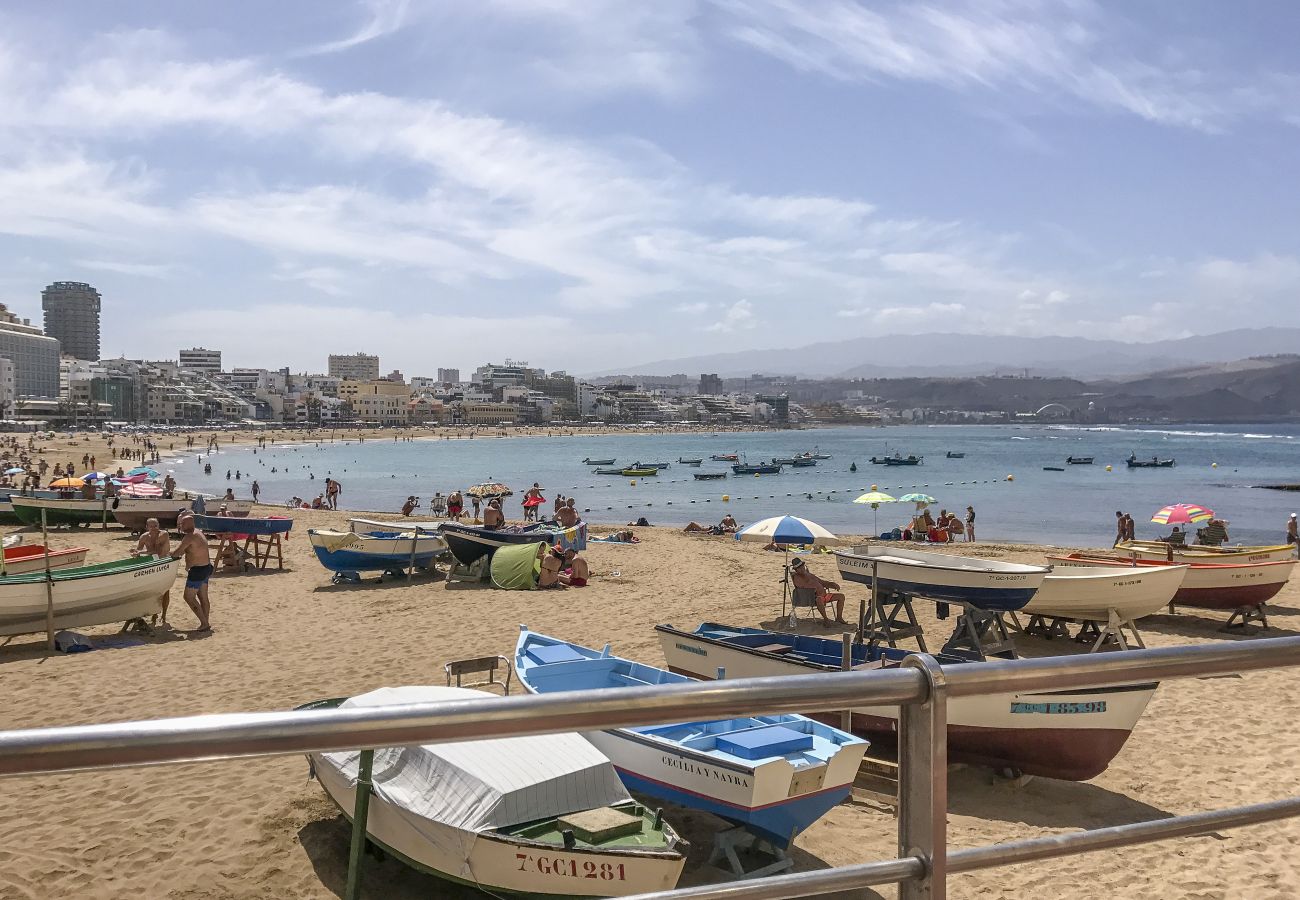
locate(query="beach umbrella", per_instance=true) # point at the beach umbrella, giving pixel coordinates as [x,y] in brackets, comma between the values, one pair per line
[875,498]
[145,470]
[95,476]
[489,489]
[142,489]
[785,531]
[67,483]
[16,470]
[1182,514]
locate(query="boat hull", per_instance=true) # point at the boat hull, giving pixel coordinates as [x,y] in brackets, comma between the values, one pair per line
[1070,735]
[255,526]
[942,577]
[32,558]
[134,514]
[86,595]
[1126,595]
[1221,587]
[470,543]
[371,553]
[61,512]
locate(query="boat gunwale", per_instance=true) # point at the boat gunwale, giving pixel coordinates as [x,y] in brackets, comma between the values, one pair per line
[1024,568]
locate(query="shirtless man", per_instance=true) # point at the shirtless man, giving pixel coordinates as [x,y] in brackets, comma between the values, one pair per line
[728,524]
[492,516]
[804,578]
[194,549]
[578,572]
[332,491]
[566,516]
[155,542]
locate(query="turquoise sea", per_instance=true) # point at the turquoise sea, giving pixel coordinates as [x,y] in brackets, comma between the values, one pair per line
[1074,507]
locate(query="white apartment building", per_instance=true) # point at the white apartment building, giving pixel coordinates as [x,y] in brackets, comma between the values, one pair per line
[199,359]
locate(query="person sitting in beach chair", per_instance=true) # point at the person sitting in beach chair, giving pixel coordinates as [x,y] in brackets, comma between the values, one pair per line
[802,577]
[1177,536]
[1213,534]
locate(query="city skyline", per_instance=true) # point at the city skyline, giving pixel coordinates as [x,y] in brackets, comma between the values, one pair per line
[589,185]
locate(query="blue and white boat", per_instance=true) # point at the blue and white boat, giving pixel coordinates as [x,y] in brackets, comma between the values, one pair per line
[772,775]
[988,584]
[349,553]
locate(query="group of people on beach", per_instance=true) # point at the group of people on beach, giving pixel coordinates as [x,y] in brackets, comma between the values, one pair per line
[193,548]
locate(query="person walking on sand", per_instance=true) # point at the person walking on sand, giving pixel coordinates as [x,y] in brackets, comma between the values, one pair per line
[1120,527]
[155,542]
[332,491]
[257,489]
[970,524]
[193,548]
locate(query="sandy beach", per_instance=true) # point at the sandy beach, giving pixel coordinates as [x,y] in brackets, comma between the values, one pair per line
[262,829]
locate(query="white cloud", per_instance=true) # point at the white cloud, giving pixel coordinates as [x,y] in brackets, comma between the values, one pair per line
[739,316]
[122,267]
[384,17]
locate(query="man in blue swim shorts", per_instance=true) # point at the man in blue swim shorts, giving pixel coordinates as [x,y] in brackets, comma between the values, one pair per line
[194,549]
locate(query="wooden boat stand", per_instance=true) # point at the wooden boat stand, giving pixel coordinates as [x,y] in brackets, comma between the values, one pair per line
[1244,615]
[256,551]
[1100,633]
[890,618]
[980,634]
[727,841]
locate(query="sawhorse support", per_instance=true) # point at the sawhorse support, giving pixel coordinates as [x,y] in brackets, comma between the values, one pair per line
[890,618]
[729,840]
[1048,627]
[1244,615]
[980,634]
[263,548]
[1110,631]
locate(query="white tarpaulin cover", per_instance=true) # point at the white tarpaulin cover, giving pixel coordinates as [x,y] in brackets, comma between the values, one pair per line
[478,785]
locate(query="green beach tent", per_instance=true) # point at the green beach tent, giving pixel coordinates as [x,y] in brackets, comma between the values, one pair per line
[516,567]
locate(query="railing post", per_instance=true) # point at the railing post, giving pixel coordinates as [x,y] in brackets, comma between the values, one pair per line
[923,783]
[360,814]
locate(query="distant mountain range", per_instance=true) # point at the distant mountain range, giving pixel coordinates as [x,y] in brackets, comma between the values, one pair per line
[940,354]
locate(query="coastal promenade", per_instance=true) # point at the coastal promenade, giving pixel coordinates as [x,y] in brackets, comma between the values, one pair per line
[259,828]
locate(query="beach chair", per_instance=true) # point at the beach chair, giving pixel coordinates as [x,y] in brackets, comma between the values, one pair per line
[458,668]
[803,598]
[1213,534]
[1177,537]
[438,506]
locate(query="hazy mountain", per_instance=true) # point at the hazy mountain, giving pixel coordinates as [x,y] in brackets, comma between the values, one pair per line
[973,354]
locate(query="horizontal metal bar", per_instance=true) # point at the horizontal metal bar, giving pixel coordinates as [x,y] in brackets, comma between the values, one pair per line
[799,884]
[77,747]
[1058,673]
[994,855]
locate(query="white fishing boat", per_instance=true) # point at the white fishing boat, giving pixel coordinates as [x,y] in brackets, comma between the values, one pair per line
[988,584]
[1071,734]
[37,557]
[99,594]
[1101,595]
[542,816]
[1203,553]
[1210,585]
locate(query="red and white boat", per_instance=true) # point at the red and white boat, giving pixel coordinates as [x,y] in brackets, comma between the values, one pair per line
[1221,586]
[31,558]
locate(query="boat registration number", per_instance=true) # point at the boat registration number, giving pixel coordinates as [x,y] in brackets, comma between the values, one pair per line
[1053,709]
[571,868]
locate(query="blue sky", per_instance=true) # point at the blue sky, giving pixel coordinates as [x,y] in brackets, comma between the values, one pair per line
[585,184]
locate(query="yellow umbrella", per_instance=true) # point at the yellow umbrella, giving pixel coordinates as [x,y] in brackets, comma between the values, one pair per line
[67,482]
[875,498]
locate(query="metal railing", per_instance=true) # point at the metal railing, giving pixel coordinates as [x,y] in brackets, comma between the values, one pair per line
[921,688]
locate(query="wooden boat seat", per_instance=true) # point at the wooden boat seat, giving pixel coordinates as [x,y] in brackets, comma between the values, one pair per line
[773,648]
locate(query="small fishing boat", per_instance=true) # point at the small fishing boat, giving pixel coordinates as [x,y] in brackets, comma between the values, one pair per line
[609,471]
[803,462]
[61,511]
[786,460]
[756,469]
[690,462]
[904,460]
[952,454]
[642,472]
[817,454]
[1078,460]
[709,476]
[598,462]
[134,513]
[1053,469]
[725,457]
[470,543]
[656,465]
[1152,463]
[7,515]
[98,594]
[1204,553]
[1100,595]
[987,584]
[542,816]
[255,526]
[773,775]
[1071,734]
[348,553]
[20,560]
[1214,586]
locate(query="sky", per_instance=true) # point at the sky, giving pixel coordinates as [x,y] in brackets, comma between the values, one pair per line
[585,184]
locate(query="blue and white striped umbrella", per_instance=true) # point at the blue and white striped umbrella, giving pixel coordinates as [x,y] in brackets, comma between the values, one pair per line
[786,530]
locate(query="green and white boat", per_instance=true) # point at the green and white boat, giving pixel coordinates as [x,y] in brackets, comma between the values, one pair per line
[98,594]
[543,816]
[61,512]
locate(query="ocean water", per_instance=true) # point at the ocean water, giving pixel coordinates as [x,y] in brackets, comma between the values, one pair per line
[1074,507]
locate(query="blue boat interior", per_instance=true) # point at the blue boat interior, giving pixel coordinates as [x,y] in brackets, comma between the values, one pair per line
[547,665]
[808,648]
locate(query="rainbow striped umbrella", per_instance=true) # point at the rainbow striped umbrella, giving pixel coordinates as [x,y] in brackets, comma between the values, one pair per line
[1182,514]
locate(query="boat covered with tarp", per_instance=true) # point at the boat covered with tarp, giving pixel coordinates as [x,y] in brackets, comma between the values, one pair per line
[543,815]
